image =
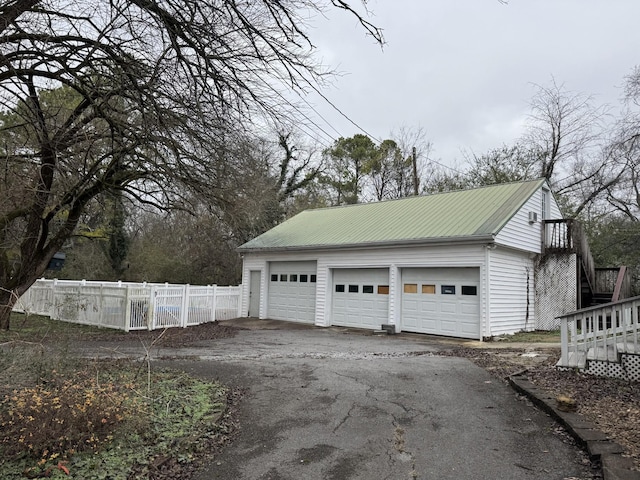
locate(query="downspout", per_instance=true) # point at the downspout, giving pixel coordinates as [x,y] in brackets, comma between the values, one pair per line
[527,313]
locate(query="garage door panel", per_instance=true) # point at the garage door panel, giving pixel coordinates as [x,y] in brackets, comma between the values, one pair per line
[427,306]
[358,300]
[369,305]
[448,307]
[469,309]
[353,303]
[449,329]
[291,293]
[447,301]
[411,305]
[469,328]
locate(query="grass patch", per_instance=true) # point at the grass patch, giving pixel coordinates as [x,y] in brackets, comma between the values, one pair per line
[536,336]
[36,328]
[63,417]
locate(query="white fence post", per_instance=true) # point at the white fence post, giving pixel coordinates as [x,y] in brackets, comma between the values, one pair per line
[214,301]
[151,317]
[52,312]
[127,308]
[101,307]
[184,306]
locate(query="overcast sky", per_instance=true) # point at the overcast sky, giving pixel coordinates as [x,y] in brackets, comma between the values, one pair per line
[463,69]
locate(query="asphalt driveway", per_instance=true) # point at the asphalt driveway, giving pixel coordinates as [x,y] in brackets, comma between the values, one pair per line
[334,404]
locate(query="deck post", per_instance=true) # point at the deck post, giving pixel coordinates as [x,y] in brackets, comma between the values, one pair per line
[564,341]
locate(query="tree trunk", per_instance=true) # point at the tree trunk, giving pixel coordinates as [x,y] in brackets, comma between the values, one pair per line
[7,300]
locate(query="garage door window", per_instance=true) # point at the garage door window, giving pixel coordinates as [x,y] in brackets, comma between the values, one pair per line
[410,288]
[340,288]
[469,290]
[304,278]
[313,279]
[448,289]
[283,278]
[383,289]
[367,289]
[293,278]
[353,289]
[274,277]
[429,289]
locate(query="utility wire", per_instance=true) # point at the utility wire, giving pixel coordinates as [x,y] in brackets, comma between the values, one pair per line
[337,109]
[334,106]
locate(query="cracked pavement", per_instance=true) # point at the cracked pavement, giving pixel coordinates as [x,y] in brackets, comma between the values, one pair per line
[336,404]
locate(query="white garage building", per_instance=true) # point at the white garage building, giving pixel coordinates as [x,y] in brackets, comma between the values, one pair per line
[459,263]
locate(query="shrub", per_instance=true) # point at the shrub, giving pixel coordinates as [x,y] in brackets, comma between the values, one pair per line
[62,416]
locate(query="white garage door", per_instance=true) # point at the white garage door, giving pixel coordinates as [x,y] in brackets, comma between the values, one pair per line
[292,291]
[441,301]
[360,297]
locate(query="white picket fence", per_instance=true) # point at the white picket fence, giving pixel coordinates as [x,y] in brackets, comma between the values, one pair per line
[130,306]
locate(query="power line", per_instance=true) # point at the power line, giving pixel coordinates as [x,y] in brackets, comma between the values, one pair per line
[320,115]
[324,97]
[307,118]
[337,109]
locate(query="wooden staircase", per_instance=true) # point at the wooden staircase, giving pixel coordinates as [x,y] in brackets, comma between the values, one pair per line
[596,285]
[602,337]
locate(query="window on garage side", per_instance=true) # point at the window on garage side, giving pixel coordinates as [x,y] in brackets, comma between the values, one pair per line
[339,288]
[304,278]
[367,289]
[410,288]
[383,289]
[274,277]
[448,289]
[469,290]
[283,277]
[293,277]
[429,288]
[354,288]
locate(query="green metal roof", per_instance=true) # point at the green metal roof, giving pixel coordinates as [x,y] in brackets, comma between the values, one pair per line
[476,214]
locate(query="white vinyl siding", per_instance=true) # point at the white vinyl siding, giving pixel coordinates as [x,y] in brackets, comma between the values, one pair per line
[555,208]
[509,271]
[520,233]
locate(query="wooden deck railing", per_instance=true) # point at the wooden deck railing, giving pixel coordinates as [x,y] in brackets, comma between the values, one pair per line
[623,285]
[599,331]
[614,280]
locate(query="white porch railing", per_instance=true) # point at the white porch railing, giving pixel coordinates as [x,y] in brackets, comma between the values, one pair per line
[130,306]
[600,332]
